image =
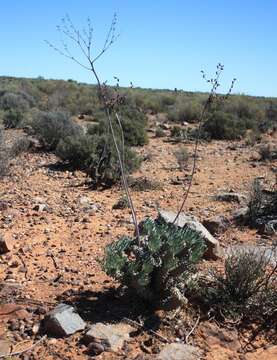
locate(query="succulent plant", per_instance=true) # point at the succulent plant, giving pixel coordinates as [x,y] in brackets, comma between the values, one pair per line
[157,267]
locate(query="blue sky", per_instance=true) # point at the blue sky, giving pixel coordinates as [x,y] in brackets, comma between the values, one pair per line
[162,44]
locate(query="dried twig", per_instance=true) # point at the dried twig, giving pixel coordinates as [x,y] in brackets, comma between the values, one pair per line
[135,323]
[54,260]
[193,329]
[16,353]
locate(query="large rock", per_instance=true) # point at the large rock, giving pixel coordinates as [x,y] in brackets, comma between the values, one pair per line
[5,245]
[177,351]
[216,224]
[63,321]
[213,248]
[109,336]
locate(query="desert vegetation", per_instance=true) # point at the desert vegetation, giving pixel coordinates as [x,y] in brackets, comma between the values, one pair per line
[89,171]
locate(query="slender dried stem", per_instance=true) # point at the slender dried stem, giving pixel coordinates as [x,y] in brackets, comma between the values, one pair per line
[212,96]
[84,43]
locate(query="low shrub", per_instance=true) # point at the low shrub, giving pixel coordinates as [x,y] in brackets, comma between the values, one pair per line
[262,204]
[122,203]
[268,151]
[255,202]
[12,119]
[96,155]
[157,267]
[19,146]
[4,156]
[239,292]
[185,111]
[14,101]
[9,152]
[182,157]
[51,127]
[252,138]
[178,134]
[159,133]
[224,126]
[133,125]
[144,184]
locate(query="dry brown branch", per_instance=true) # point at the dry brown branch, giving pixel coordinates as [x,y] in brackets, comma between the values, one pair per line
[193,329]
[16,353]
[135,323]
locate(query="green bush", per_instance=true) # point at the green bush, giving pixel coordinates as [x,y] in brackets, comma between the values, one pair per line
[178,134]
[159,133]
[12,119]
[14,101]
[122,203]
[224,126]
[156,268]
[185,111]
[80,150]
[51,127]
[133,123]
[95,154]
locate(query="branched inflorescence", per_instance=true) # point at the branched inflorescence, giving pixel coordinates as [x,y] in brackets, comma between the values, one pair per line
[110,100]
[212,97]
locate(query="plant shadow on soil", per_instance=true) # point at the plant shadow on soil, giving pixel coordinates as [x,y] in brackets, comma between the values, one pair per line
[59,166]
[111,306]
[89,183]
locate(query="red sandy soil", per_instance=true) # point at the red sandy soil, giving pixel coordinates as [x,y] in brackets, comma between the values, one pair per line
[60,248]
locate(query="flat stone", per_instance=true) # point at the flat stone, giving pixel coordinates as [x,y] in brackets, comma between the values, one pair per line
[63,321]
[177,351]
[5,347]
[213,248]
[5,245]
[12,311]
[111,336]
